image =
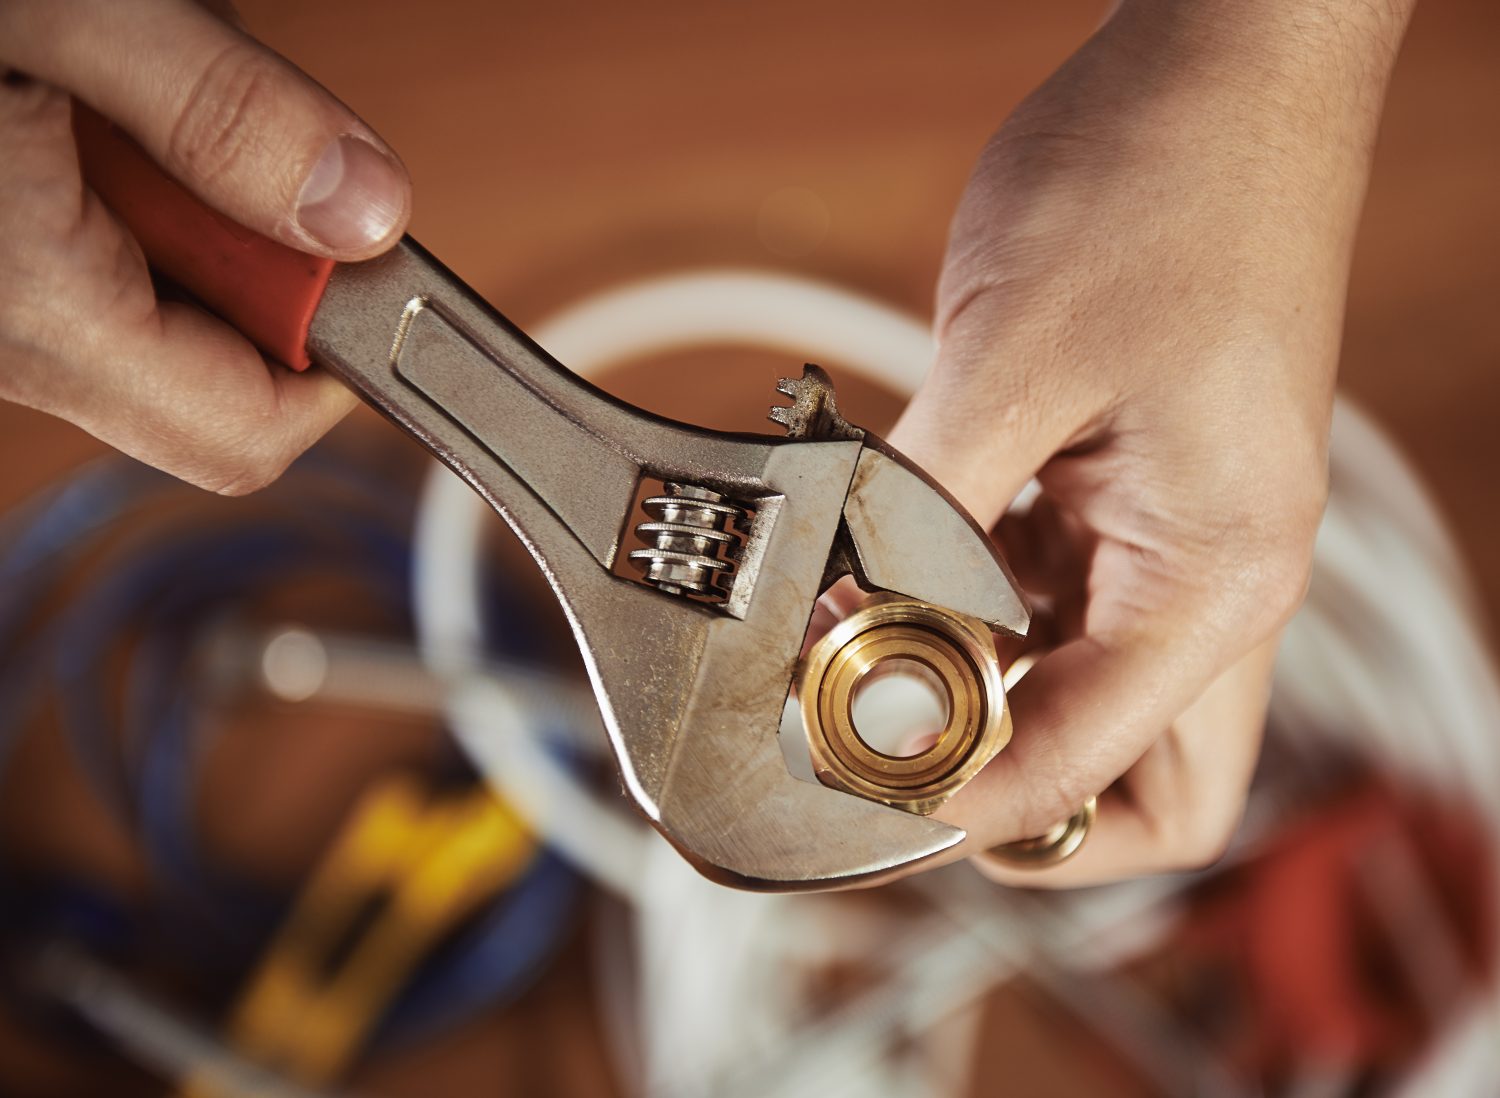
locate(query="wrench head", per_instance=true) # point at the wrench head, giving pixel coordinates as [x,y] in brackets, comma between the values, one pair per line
[693,699]
[718,787]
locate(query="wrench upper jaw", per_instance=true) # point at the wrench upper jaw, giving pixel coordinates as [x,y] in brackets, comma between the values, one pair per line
[902,532]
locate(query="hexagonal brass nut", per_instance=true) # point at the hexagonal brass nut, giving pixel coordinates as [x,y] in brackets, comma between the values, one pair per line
[957,653]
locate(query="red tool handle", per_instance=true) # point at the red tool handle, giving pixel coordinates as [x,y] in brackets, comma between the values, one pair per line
[267,290]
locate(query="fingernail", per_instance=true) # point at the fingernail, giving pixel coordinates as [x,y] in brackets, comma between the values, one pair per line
[353,197]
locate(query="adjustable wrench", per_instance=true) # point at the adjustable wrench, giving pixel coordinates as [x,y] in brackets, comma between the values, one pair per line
[692,660]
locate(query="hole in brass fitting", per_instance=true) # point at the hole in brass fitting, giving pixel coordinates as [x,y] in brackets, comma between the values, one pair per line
[900,707]
[890,636]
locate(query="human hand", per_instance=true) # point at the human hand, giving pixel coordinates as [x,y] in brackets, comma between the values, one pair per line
[82,333]
[1141,306]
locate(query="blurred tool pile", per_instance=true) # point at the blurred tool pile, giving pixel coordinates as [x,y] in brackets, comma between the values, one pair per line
[131,619]
[298,782]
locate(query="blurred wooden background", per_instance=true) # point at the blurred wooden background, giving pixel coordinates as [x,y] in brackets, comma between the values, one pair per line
[560,148]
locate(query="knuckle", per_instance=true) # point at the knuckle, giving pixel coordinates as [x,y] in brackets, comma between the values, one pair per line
[1198,853]
[216,128]
[1286,581]
[249,457]
[1049,805]
[1265,565]
[243,474]
[1279,572]
[1201,841]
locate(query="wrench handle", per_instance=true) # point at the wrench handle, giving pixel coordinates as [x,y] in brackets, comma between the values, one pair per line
[265,289]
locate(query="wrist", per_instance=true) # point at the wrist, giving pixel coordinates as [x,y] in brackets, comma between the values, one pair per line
[1280,98]
[1324,58]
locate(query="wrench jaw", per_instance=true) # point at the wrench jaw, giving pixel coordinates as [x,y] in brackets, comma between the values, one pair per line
[903,533]
[831,847]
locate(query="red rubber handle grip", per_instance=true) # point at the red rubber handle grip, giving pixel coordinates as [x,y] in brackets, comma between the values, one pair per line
[265,289]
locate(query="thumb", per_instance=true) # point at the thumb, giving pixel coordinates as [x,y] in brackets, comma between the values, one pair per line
[248,132]
[991,413]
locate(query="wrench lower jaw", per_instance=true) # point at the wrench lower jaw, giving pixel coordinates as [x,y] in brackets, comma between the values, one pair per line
[808,839]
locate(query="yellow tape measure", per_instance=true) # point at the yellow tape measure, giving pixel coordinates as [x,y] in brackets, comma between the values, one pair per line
[404,872]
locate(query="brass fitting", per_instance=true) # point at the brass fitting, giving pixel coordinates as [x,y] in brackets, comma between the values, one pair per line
[954,652]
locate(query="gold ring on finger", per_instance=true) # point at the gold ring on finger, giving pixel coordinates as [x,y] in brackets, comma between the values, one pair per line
[1053,847]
